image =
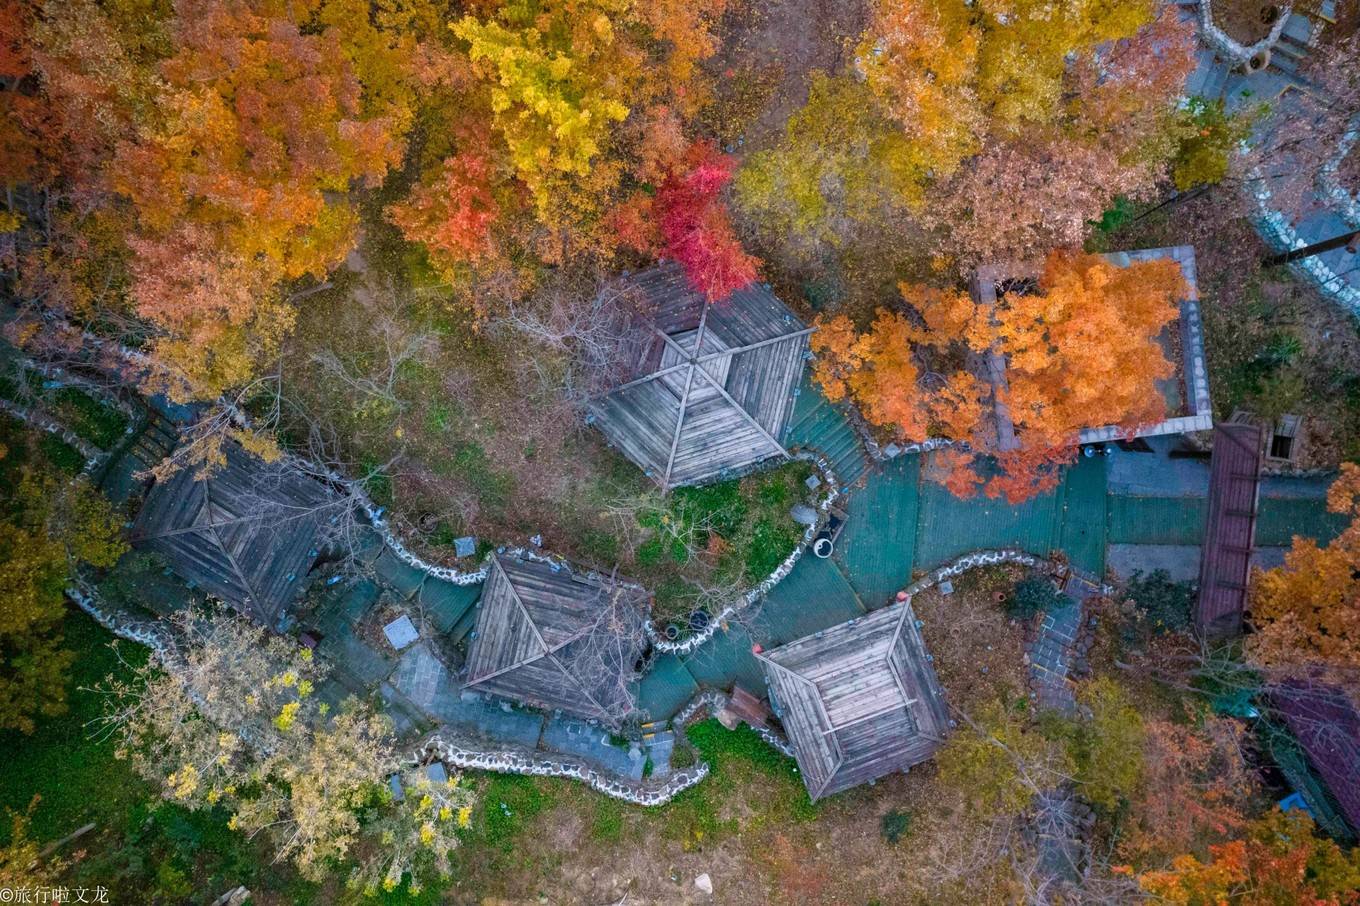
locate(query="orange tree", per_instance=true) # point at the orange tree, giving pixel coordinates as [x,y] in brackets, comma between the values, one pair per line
[1003,128]
[224,134]
[1082,351]
[1280,860]
[1307,611]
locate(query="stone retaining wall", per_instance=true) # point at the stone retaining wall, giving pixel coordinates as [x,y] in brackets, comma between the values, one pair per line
[92,454]
[1226,45]
[518,761]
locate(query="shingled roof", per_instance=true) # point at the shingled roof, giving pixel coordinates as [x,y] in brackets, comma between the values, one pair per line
[859,700]
[1327,725]
[540,638]
[1230,533]
[709,389]
[248,533]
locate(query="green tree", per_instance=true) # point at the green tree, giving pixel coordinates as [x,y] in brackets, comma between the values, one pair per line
[1108,749]
[1209,137]
[999,763]
[51,528]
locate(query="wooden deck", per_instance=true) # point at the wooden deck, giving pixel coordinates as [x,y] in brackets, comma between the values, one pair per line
[1230,532]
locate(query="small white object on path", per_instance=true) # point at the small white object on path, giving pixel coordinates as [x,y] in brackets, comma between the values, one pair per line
[704,883]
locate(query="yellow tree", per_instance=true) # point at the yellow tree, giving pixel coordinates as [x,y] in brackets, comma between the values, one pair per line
[1307,611]
[557,80]
[50,529]
[1002,126]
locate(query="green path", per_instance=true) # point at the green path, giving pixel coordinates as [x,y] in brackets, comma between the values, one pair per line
[950,527]
[1082,532]
[1157,520]
[1282,518]
[812,597]
[878,547]
[1180,520]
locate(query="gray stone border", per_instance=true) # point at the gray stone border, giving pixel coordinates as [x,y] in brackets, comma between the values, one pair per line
[94,457]
[686,646]
[1224,43]
[518,761]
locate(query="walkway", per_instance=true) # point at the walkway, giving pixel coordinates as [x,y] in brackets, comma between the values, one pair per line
[1125,511]
[898,523]
[1219,76]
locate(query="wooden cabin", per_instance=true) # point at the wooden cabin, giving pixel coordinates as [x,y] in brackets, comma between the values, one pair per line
[247,533]
[709,388]
[556,639]
[858,701]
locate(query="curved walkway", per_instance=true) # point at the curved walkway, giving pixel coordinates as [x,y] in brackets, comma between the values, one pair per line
[898,524]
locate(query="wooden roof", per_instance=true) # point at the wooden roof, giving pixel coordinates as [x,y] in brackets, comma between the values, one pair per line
[1327,725]
[709,388]
[539,635]
[248,533]
[858,701]
[1225,561]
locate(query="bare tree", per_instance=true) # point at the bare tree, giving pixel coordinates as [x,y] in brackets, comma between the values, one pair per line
[606,656]
[597,331]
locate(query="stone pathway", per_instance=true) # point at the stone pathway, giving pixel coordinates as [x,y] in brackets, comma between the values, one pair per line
[1051,658]
[1220,75]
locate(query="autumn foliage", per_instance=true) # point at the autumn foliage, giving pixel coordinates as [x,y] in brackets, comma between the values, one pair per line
[1279,860]
[1000,130]
[695,229]
[1307,611]
[1082,351]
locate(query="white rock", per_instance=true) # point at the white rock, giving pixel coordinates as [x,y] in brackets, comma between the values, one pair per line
[704,883]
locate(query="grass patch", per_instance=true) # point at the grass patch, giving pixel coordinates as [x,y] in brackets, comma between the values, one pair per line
[738,532]
[606,819]
[61,454]
[733,753]
[509,804]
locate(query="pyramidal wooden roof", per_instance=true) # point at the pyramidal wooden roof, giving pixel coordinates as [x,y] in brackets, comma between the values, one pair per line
[539,638]
[247,533]
[858,701]
[709,388]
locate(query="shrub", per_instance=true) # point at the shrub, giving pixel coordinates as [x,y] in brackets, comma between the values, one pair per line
[896,825]
[1031,596]
[1166,605]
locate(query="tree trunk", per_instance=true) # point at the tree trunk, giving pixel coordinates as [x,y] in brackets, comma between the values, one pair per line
[1308,251]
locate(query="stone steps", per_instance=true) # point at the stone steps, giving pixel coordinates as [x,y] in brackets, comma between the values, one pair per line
[821,427]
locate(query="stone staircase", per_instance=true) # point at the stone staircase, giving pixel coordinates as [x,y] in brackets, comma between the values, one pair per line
[822,427]
[153,441]
[1220,76]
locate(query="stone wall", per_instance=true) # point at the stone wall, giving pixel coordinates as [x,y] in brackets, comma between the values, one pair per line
[533,764]
[1224,43]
